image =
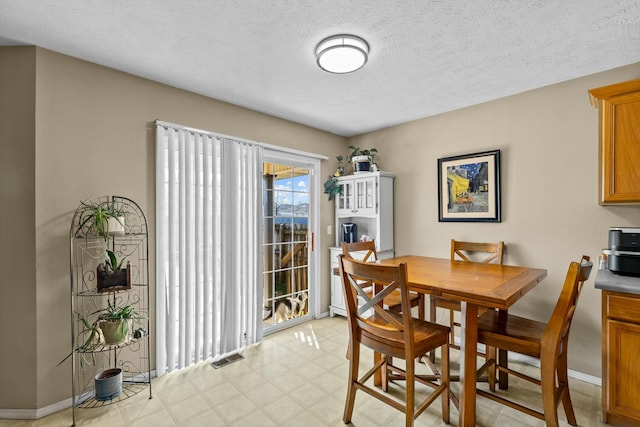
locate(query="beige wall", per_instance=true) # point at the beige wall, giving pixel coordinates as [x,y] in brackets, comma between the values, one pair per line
[17,233]
[93,136]
[551,216]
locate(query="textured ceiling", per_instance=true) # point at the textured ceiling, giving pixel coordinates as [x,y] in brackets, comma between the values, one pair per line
[427,56]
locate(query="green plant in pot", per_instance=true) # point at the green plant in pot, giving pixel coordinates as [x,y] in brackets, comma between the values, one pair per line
[111,275]
[116,322]
[361,159]
[112,326]
[101,219]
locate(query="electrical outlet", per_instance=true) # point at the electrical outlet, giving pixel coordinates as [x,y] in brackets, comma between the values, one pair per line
[329,230]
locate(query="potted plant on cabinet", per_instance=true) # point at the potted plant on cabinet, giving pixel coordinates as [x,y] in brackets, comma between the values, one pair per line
[101,219]
[111,275]
[361,159]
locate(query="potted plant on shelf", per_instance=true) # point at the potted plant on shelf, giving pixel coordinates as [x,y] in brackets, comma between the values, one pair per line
[101,219]
[111,275]
[116,323]
[361,159]
[111,327]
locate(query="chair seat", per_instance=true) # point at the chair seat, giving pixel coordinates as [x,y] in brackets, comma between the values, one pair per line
[512,332]
[427,335]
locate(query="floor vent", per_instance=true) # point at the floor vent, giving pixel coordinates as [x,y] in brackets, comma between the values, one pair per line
[226,360]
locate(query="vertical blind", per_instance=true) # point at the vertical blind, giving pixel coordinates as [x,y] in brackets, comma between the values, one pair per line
[208,236]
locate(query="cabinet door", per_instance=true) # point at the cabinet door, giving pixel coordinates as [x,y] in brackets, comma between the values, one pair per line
[344,205]
[619,153]
[365,196]
[623,369]
[620,149]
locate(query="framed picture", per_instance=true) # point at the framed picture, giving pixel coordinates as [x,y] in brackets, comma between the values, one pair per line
[469,188]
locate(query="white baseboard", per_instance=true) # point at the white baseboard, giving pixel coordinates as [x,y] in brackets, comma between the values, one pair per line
[572,374]
[34,414]
[322,315]
[536,362]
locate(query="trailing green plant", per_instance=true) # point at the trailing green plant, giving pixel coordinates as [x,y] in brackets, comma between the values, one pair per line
[92,341]
[340,168]
[94,218]
[331,187]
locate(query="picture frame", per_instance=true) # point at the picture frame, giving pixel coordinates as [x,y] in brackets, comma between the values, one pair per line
[469,188]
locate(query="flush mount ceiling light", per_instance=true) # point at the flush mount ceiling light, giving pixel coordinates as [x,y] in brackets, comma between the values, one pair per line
[342,53]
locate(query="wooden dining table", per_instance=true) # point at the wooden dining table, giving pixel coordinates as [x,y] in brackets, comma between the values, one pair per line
[474,285]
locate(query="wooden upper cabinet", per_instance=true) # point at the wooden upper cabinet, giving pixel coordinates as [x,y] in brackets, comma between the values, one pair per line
[619,152]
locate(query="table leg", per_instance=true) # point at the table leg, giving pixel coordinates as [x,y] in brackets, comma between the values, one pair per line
[503,378]
[468,364]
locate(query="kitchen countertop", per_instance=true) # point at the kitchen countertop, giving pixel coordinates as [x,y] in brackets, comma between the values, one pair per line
[609,281]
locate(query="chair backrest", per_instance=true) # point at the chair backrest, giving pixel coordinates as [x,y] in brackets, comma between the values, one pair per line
[366,314]
[477,252]
[556,334]
[367,249]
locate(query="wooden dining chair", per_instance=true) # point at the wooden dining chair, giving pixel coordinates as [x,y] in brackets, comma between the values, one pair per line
[366,252]
[547,342]
[391,334]
[467,252]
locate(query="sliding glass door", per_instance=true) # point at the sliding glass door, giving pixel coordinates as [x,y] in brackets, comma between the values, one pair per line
[288,244]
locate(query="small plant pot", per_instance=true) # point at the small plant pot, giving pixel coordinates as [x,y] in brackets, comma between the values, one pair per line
[117,332]
[113,281]
[115,226]
[361,164]
[108,384]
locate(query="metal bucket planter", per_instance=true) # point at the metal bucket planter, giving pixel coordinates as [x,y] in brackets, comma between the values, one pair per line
[115,332]
[108,384]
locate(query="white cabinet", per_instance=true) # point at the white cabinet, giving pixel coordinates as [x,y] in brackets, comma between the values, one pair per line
[367,202]
[358,195]
[338,305]
[337,295]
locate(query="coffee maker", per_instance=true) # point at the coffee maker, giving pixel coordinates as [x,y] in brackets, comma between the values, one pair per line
[349,232]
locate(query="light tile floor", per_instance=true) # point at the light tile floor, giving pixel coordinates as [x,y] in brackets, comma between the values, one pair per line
[296,377]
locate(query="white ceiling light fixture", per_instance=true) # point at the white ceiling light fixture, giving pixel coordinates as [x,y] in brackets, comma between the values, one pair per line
[342,53]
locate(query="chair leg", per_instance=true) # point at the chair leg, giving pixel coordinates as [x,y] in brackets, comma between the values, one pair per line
[563,382]
[446,395]
[548,383]
[354,361]
[452,322]
[432,319]
[409,397]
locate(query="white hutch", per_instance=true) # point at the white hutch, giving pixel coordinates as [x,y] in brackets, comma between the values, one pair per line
[366,199]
